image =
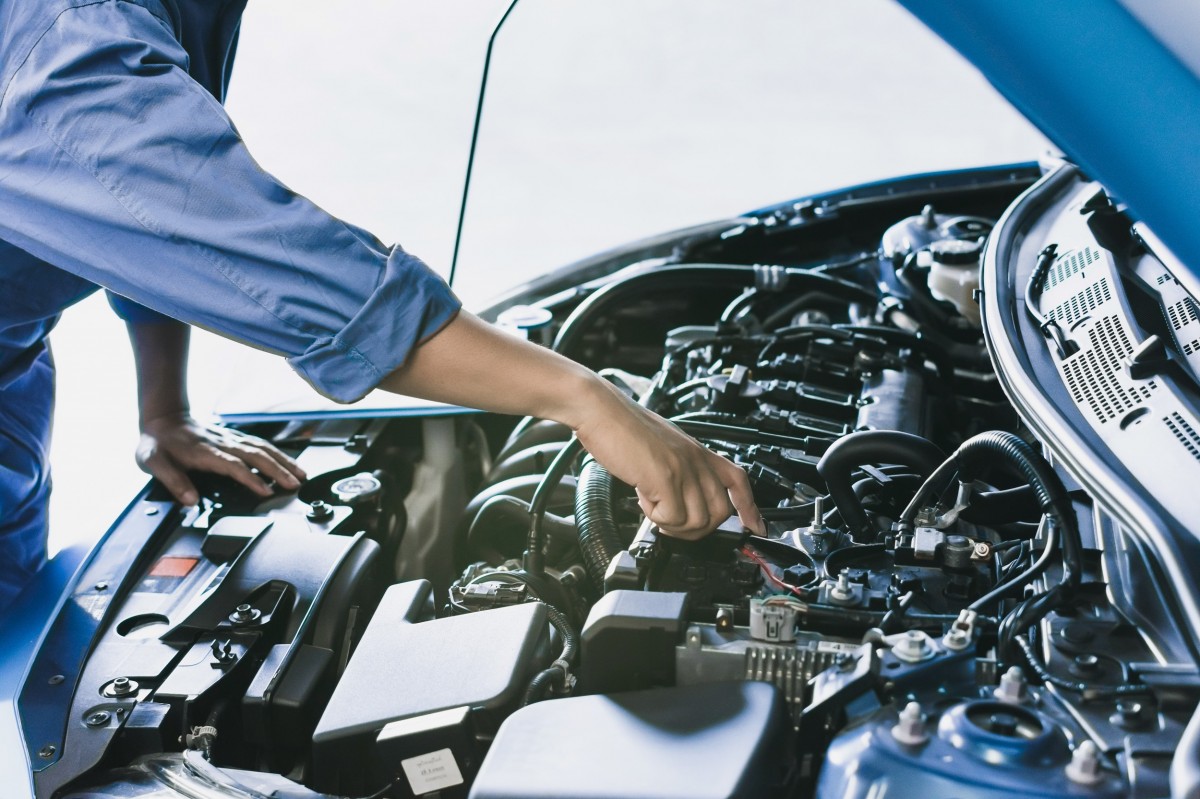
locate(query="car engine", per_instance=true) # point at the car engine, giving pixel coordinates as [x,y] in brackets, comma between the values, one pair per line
[467,604]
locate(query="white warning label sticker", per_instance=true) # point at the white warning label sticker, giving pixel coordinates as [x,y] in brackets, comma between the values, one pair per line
[432,772]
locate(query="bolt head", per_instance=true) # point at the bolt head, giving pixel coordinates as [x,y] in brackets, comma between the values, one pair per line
[319,510]
[121,686]
[47,751]
[956,639]
[56,679]
[97,719]
[1130,714]
[245,614]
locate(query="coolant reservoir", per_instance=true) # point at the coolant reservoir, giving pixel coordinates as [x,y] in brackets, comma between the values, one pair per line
[954,274]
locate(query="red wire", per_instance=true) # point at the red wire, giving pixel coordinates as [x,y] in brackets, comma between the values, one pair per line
[766,570]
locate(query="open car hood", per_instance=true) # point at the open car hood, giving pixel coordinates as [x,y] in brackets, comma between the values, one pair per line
[1124,71]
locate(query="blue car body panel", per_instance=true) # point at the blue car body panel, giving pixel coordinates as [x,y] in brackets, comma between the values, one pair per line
[1118,100]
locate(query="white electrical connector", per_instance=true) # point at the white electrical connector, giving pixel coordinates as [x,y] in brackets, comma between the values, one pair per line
[775,623]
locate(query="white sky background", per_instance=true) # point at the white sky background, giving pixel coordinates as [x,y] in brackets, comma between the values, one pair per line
[606,120]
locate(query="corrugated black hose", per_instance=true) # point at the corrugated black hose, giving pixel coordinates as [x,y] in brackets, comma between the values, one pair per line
[598,539]
[557,674]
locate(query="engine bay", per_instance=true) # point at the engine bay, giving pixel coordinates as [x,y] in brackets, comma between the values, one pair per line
[466,604]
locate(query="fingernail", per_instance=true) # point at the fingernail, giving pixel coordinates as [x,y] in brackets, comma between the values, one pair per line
[190,498]
[290,481]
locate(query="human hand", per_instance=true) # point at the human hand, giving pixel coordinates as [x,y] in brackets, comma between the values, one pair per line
[173,444]
[684,488]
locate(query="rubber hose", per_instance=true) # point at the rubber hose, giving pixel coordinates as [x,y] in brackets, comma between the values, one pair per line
[849,452]
[1003,506]
[521,487]
[999,448]
[617,294]
[510,513]
[694,277]
[540,685]
[531,460]
[541,498]
[531,432]
[598,539]
[979,452]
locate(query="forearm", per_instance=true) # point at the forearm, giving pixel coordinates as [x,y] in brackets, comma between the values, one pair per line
[160,353]
[474,364]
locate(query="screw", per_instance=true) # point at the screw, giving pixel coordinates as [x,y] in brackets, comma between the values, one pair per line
[910,728]
[842,592]
[97,719]
[982,551]
[1130,714]
[101,586]
[57,679]
[152,511]
[319,510]
[1086,664]
[1084,767]
[818,522]
[47,751]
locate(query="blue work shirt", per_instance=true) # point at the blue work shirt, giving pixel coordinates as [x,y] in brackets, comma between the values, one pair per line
[119,168]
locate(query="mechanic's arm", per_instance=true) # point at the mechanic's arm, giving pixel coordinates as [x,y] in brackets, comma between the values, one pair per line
[172,442]
[684,488]
[118,167]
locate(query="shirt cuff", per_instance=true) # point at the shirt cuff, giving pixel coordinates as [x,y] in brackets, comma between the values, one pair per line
[409,305]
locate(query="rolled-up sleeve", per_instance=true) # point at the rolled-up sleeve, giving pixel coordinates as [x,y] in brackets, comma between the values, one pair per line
[118,167]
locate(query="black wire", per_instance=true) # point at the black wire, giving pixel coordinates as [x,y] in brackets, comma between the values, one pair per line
[556,674]
[1089,692]
[534,556]
[378,794]
[1033,291]
[1033,571]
